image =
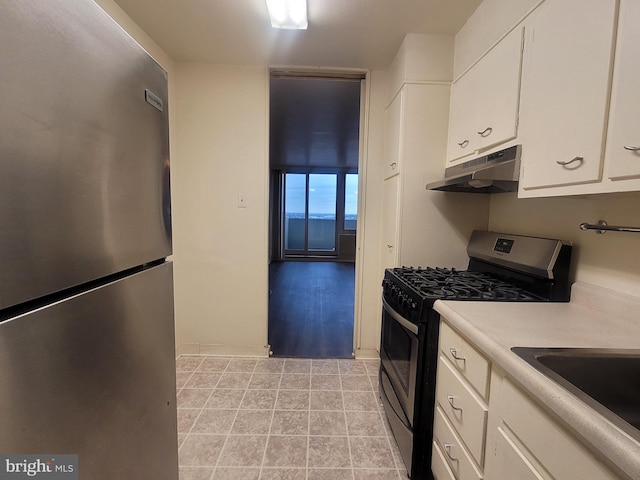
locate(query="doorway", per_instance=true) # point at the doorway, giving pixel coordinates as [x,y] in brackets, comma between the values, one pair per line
[314,153]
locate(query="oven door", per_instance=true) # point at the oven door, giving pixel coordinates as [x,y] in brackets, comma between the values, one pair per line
[399,357]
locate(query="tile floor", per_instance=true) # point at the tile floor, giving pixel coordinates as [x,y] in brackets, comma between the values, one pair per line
[282,419]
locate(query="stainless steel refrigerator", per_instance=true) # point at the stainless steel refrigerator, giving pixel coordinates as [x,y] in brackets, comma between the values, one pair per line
[87,349]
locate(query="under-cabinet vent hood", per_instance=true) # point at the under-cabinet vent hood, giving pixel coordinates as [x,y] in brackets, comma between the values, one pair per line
[493,173]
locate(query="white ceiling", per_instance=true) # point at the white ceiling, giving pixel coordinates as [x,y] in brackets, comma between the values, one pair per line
[342,33]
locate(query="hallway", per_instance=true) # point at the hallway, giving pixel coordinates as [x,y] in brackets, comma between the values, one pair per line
[311,309]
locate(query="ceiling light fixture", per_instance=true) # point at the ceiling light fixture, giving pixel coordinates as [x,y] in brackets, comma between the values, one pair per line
[290,14]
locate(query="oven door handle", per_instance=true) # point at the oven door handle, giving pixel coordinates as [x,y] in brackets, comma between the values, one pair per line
[406,324]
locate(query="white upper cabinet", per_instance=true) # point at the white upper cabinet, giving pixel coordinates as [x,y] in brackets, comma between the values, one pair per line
[565,92]
[622,154]
[485,100]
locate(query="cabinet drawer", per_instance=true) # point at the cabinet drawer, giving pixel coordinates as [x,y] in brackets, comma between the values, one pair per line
[463,408]
[545,441]
[439,466]
[453,449]
[472,365]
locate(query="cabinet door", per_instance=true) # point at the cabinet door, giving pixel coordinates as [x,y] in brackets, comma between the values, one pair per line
[510,462]
[462,117]
[623,138]
[499,92]
[390,215]
[485,100]
[565,91]
[393,126]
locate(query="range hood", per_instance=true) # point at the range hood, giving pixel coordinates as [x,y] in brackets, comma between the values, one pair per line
[493,173]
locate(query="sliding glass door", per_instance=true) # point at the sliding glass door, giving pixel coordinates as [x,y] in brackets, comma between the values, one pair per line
[310,201]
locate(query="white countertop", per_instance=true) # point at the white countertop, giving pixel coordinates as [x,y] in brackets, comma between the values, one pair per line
[595,317]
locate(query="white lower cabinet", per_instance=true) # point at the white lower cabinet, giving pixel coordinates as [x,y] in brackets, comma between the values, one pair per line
[529,442]
[461,411]
[502,434]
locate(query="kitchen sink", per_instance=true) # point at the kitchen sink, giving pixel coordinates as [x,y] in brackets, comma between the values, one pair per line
[608,380]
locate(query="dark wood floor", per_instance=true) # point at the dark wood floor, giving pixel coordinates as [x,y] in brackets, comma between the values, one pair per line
[311,309]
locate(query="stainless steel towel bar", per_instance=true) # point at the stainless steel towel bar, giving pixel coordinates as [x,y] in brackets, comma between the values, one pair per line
[602,227]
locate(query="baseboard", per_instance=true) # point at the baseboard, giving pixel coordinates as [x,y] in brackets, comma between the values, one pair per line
[222,350]
[367,354]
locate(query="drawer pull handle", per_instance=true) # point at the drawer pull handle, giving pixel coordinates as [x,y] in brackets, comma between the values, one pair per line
[463,143]
[574,159]
[631,148]
[486,132]
[447,450]
[450,399]
[454,354]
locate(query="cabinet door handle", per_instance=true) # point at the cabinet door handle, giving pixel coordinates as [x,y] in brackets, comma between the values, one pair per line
[454,354]
[447,450]
[631,148]
[486,132]
[390,247]
[450,399]
[573,160]
[463,143]
[393,165]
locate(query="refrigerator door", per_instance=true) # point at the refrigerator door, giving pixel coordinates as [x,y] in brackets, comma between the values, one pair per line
[84,149]
[94,375]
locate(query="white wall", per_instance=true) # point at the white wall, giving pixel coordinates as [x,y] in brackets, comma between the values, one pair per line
[220,250]
[610,260]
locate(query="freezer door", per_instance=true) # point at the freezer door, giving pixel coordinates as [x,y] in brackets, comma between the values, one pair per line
[84,149]
[94,375]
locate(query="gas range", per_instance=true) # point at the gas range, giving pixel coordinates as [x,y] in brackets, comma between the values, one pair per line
[502,268]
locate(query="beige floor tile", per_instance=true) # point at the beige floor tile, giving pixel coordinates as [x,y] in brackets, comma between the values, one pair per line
[252,422]
[234,380]
[182,378]
[242,365]
[352,367]
[283,474]
[356,382]
[327,423]
[195,473]
[214,421]
[330,474]
[203,380]
[193,397]
[225,398]
[269,365]
[286,451]
[325,382]
[290,422]
[236,473]
[295,381]
[214,364]
[365,424]
[265,380]
[371,452]
[259,399]
[361,401]
[201,450]
[296,365]
[324,367]
[186,418]
[329,452]
[326,400]
[243,451]
[382,474]
[293,400]
[187,363]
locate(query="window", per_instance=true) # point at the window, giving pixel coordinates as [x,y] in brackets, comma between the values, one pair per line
[351,201]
